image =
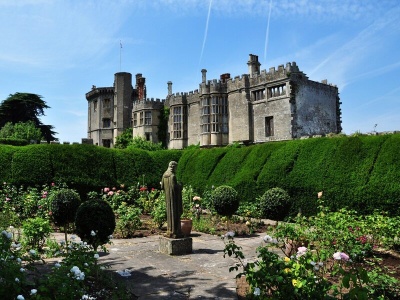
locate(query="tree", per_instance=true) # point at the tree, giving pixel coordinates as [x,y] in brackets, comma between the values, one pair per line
[139,142]
[122,141]
[25,131]
[24,107]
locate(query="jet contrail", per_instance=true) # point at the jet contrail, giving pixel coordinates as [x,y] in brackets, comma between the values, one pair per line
[267,33]
[205,33]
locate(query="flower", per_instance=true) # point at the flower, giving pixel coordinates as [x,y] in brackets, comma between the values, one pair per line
[286,259]
[230,234]
[32,252]
[92,233]
[33,291]
[57,265]
[320,194]
[96,256]
[270,239]
[110,193]
[257,291]
[106,190]
[17,279]
[20,297]
[196,198]
[22,270]
[341,255]
[286,270]
[301,251]
[294,282]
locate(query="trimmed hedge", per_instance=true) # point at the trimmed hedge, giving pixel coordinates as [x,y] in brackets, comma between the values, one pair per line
[361,172]
[83,167]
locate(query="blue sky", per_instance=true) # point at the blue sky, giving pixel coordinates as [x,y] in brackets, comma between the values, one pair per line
[59,49]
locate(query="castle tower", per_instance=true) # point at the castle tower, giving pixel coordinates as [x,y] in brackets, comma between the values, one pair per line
[254,65]
[122,102]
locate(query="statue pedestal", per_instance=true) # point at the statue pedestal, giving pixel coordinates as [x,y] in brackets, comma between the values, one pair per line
[178,246]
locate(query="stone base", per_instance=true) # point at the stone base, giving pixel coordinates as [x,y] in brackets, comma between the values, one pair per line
[176,246]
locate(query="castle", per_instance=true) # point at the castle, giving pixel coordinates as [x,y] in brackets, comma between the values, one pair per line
[261,106]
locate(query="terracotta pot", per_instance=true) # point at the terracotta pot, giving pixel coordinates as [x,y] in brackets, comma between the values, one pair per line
[186,226]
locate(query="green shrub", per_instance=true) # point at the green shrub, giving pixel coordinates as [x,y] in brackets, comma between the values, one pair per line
[95,222]
[225,200]
[35,231]
[128,220]
[159,213]
[64,204]
[274,204]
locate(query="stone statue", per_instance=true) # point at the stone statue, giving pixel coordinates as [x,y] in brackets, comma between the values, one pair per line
[173,199]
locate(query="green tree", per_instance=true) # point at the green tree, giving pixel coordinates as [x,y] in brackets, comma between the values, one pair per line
[122,141]
[26,131]
[139,142]
[24,107]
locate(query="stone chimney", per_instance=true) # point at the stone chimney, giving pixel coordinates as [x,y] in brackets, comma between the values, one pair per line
[169,88]
[203,75]
[254,65]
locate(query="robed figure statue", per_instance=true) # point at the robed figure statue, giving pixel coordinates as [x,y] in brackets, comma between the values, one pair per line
[173,199]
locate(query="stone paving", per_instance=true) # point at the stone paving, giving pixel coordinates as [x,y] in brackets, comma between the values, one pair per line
[204,274]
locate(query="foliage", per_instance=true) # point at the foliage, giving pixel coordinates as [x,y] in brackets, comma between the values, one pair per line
[122,141]
[274,204]
[128,220]
[95,222]
[362,169]
[24,107]
[206,225]
[225,200]
[163,126]
[139,142]
[328,256]
[159,212]
[361,173]
[14,142]
[64,204]
[24,131]
[77,276]
[187,203]
[35,231]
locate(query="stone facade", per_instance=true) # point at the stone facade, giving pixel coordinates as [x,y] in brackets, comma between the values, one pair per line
[261,106]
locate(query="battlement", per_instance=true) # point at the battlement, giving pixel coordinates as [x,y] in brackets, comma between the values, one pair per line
[149,103]
[97,91]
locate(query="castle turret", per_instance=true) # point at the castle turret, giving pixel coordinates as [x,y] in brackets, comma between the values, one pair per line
[254,65]
[122,102]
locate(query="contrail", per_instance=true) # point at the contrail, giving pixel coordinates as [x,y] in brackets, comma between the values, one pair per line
[267,33]
[205,33]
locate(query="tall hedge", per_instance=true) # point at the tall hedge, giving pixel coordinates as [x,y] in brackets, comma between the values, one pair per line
[360,172]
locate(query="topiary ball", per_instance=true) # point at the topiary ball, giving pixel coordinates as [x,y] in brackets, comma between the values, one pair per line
[64,204]
[225,200]
[95,222]
[274,204]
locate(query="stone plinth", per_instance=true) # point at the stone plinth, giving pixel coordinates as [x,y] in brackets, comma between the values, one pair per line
[179,246]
